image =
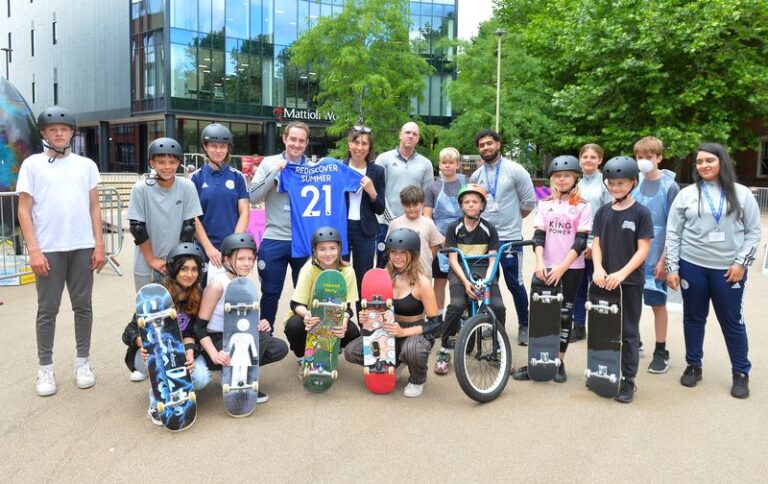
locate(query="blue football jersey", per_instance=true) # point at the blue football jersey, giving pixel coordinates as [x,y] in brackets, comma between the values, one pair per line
[317,200]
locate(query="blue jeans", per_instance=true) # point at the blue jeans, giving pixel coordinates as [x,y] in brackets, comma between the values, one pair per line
[579,313]
[700,285]
[274,257]
[511,265]
[381,254]
[362,248]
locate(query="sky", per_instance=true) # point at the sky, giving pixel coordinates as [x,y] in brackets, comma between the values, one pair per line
[471,14]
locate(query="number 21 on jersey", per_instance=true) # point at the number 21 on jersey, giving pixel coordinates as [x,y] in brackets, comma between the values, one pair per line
[313,192]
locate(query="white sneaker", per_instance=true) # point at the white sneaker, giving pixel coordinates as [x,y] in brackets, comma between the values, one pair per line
[84,377]
[413,390]
[46,381]
[136,375]
[153,416]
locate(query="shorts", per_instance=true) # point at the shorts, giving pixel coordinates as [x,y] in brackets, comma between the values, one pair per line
[654,298]
[437,273]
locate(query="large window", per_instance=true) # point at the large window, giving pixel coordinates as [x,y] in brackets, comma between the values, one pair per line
[762,158]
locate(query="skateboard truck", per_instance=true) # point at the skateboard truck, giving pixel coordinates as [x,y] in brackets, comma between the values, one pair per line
[602,372]
[545,360]
[602,307]
[546,297]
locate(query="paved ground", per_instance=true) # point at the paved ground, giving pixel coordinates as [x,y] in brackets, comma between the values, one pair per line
[532,433]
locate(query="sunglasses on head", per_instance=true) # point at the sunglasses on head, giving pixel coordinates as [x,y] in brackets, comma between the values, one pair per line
[361,128]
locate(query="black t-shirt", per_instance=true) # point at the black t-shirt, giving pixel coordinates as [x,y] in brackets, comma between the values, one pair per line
[619,231]
[483,239]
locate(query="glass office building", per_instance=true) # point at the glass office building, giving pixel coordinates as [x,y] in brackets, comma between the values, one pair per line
[196,61]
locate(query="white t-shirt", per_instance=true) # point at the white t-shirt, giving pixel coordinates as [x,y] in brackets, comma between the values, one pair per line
[61,200]
[355,198]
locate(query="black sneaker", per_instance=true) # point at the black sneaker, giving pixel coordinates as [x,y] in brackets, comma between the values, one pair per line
[262,398]
[561,377]
[522,335]
[660,362]
[579,333]
[691,376]
[626,391]
[521,374]
[740,388]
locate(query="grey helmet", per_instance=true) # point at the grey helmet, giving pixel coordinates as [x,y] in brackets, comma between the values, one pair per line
[404,239]
[55,115]
[216,133]
[621,167]
[165,146]
[236,241]
[564,163]
[325,234]
[185,249]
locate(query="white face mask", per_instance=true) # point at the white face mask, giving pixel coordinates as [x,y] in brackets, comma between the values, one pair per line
[645,166]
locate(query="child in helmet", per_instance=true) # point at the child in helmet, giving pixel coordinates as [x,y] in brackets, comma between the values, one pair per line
[326,254]
[562,224]
[238,252]
[161,212]
[622,233]
[413,299]
[183,282]
[474,236]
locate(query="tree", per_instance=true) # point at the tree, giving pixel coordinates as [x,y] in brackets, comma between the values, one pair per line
[366,68]
[685,71]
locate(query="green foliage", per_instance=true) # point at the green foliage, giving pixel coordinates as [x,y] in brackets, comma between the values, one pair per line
[367,70]
[612,71]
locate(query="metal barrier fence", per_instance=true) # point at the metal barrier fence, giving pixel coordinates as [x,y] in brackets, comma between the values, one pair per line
[14,258]
[761,196]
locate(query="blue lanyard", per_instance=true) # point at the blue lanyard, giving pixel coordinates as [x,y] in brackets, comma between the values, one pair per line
[719,212]
[492,189]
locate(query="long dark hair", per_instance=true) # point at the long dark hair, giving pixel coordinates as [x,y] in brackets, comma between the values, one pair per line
[192,295]
[726,177]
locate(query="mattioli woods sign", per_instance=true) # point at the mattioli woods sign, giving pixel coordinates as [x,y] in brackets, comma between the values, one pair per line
[290,114]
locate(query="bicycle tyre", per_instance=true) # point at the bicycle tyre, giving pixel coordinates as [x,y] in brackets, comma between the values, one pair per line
[483,373]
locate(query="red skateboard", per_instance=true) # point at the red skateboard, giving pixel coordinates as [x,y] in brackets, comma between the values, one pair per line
[379,358]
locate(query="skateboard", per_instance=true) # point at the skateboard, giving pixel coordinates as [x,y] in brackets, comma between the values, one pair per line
[544,330]
[240,340]
[379,358]
[161,337]
[321,352]
[603,340]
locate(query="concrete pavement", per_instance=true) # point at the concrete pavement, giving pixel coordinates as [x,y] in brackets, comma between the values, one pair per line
[534,432]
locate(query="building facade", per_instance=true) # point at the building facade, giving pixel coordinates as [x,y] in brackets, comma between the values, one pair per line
[134,70]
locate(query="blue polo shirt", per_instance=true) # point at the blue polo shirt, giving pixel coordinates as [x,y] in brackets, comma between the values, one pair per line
[219,191]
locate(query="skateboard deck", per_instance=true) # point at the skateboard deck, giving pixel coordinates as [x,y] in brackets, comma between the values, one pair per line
[379,358]
[240,340]
[160,335]
[321,352]
[603,341]
[544,330]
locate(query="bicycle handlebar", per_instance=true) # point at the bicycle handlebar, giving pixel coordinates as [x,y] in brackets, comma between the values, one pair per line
[503,249]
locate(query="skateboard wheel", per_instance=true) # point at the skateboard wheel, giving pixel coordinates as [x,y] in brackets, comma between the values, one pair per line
[588,373]
[225,388]
[535,297]
[255,386]
[334,374]
[560,297]
[533,362]
[315,303]
[227,307]
[306,371]
[389,303]
[141,322]
[391,370]
[558,362]
[588,305]
[172,313]
[160,407]
[612,379]
[614,309]
[192,397]
[363,303]
[366,371]
[255,306]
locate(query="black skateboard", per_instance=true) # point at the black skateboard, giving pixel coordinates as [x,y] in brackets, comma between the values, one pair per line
[544,330]
[603,340]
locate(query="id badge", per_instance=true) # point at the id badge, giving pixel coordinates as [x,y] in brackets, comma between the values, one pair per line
[717,236]
[493,205]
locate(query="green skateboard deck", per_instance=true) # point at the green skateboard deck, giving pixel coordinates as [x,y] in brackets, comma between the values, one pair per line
[321,352]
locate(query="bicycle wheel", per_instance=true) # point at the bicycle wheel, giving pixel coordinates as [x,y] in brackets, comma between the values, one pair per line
[482,364]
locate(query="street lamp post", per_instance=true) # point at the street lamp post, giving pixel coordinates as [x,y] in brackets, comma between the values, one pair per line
[499,34]
[7,51]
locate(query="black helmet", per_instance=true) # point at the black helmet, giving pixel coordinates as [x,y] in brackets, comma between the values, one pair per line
[236,241]
[404,239]
[185,249]
[564,163]
[325,234]
[55,115]
[165,146]
[621,167]
[216,133]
